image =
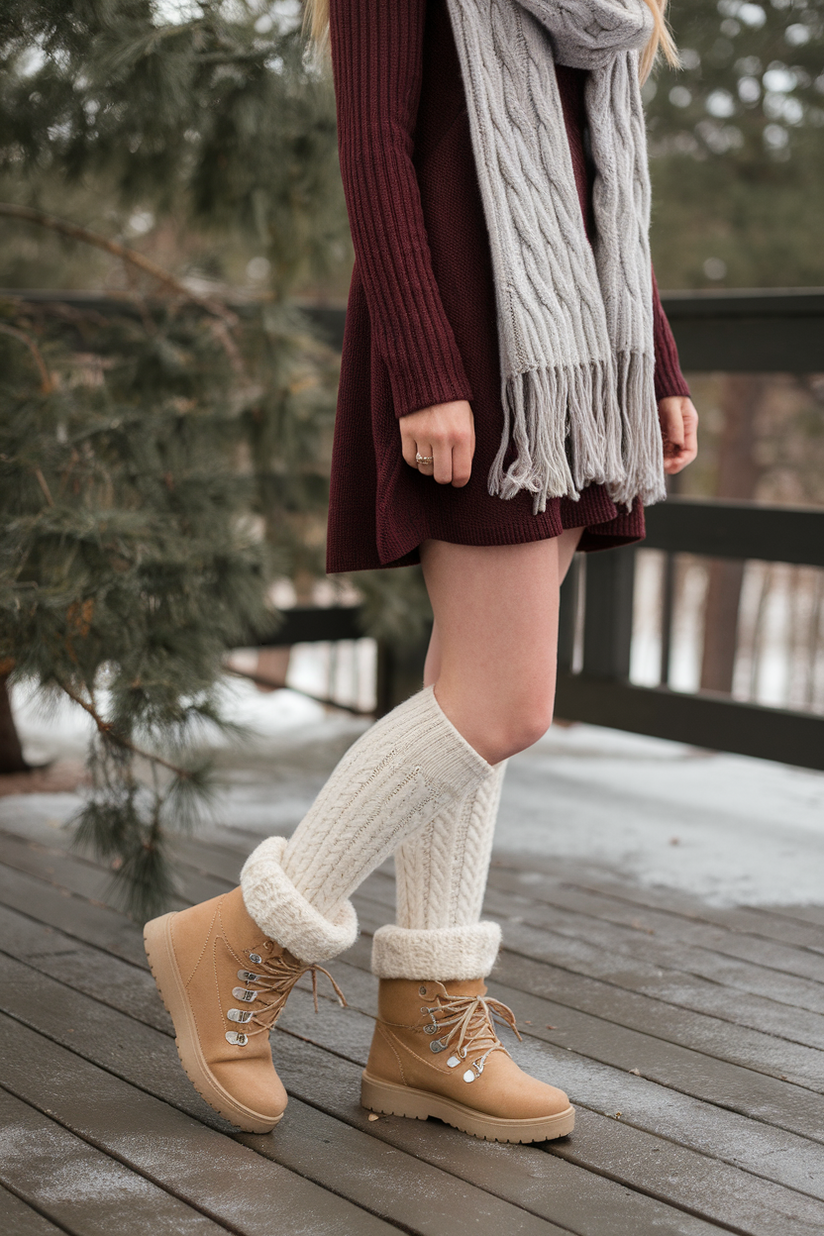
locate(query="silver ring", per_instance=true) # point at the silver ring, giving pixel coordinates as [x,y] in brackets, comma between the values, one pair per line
[424,459]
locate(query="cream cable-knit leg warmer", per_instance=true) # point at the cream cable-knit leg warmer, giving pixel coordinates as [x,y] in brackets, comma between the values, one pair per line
[409,767]
[441,878]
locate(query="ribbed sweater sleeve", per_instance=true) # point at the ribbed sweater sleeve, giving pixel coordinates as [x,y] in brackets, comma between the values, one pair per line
[669,380]
[377,59]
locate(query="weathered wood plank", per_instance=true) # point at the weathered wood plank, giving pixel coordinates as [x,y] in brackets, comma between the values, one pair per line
[696,1075]
[740,976]
[200,1166]
[762,921]
[87,969]
[628,948]
[85,878]
[381,1179]
[704,1186]
[625,972]
[603,1207]
[83,1190]
[724,1133]
[419,1195]
[73,915]
[584,1202]
[17,1218]
[351,1041]
[736,1044]
[173,1082]
[514,960]
[803,914]
[689,1071]
[670,929]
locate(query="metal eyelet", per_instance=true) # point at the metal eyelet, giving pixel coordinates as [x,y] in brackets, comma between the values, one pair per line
[255,959]
[247,976]
[429,1029]
[241,1015]
[236,1038]
[244,993]
[438,1045]
[475,1071]
[421,991]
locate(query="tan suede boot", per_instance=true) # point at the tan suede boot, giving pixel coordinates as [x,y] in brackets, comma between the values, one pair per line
[225,984]
[435,1052]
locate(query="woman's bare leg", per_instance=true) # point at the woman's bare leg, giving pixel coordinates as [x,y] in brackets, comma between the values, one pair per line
[493,653]
[567,544]
[441,869]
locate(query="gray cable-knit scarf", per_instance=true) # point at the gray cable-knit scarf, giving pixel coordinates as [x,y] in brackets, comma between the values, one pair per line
[575,320]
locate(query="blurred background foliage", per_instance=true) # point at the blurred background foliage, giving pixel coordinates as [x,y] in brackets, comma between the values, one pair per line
[164,451]
[165,442]
[737,145]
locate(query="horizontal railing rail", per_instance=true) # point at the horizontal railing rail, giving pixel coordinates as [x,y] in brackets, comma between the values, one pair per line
[746,330]
[601,692]
[749,331]
[774,331]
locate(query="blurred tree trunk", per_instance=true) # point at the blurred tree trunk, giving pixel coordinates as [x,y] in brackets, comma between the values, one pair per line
[738,474]
[11,752]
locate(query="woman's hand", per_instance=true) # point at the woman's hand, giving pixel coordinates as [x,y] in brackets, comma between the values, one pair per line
[445,434]
[679,429]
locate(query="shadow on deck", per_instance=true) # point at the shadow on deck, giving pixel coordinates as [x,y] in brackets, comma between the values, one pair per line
[691,1040]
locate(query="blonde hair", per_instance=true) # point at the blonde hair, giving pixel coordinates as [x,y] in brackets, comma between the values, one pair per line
[316,21]
[316,25]
[661,40]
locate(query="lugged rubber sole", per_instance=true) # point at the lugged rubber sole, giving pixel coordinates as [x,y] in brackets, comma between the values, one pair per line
[391,1099]
[157,940]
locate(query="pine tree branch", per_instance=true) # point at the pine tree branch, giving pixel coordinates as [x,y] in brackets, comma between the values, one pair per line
[42,482]
[74,231]
[23,337]
[107,731]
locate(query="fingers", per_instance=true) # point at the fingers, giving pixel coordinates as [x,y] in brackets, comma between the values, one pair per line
[679,432]
[445,442]
[462,454]
[426,451]
[409,447]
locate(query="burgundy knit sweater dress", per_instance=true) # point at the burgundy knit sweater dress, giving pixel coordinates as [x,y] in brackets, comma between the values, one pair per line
[420,323]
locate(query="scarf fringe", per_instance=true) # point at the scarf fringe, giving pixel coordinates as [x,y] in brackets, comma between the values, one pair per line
[578,425]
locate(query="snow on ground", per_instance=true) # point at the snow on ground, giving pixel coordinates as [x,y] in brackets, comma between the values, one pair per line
[725,827]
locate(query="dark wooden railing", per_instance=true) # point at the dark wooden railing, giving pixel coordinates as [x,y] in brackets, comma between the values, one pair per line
[601,692]
[755,332]
[744,331]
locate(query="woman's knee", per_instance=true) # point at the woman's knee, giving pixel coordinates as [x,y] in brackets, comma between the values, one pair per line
[521,724]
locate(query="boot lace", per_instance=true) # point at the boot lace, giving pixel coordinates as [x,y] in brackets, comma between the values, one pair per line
[469,1023]
[270,983]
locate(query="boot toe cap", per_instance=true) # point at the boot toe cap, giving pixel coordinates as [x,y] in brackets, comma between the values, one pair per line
[511,1094]
[258,1090]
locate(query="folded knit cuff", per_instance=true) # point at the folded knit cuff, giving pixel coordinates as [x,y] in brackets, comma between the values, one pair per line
[442,954]
[285,914]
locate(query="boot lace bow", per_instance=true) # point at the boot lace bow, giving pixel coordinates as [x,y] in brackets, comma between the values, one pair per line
[466,1025]
[271,982]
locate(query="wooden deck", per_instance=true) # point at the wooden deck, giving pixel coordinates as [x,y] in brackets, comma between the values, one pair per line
[690,1039]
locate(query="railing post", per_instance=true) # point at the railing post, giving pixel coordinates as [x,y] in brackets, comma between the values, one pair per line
[667,617]
[568,616]
[400,672]
[610,579]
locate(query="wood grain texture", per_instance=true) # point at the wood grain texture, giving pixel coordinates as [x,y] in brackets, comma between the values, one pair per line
[720,1011]
[17,1218]
[81,1188]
